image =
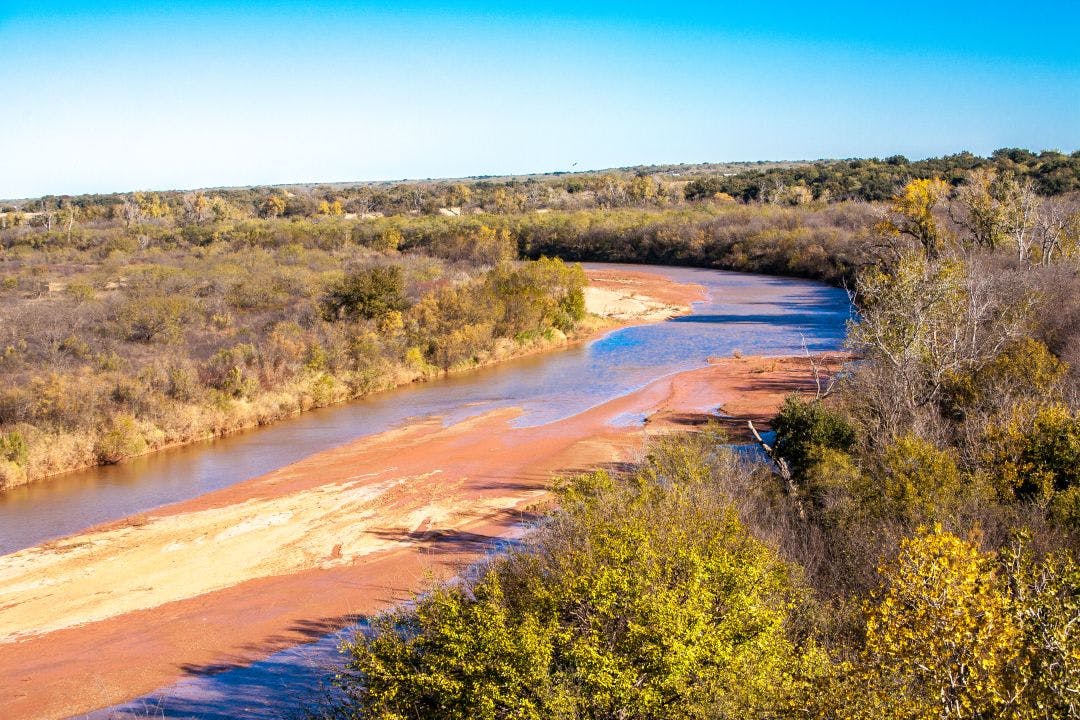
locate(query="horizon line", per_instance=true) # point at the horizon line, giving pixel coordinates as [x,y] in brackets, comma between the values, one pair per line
[500,176]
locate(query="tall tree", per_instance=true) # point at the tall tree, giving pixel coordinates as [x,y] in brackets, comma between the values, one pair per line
[911,213]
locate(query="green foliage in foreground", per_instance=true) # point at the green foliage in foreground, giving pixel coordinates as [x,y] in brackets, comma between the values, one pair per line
[641,597]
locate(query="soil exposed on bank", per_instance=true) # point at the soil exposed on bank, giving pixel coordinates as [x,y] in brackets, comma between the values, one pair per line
[637,297]
[232,576]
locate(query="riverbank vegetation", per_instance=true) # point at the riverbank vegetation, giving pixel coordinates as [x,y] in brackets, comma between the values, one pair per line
[117,339]
[110,351]
[908,550]
[676,591]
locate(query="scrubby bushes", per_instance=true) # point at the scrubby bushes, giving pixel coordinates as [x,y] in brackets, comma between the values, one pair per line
[157,318]
[110,353]
[924,524]
[807,429]
[120,440]
[953,414]
[454,323]
[369,293]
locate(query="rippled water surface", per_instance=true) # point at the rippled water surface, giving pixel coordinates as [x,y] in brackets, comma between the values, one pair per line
[751,313]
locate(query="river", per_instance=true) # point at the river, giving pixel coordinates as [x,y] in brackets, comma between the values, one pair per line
[749,313]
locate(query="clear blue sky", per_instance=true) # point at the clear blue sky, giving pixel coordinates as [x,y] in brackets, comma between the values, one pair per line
[114,96]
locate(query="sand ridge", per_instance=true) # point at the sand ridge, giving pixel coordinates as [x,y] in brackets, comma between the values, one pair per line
[627,296]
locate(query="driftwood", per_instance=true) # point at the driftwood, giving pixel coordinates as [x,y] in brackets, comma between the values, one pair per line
[781,464]
[820,392]
[781,467]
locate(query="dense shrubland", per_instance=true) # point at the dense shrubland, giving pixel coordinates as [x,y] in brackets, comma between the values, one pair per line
[824,243]
[676,591]
[111,348]
[129,334]
[908,552]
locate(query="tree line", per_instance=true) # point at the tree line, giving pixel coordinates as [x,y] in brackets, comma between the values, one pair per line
[790,183]
[1050,172]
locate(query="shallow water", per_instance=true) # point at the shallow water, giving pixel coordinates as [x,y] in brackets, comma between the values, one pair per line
[749,313]
[273,688]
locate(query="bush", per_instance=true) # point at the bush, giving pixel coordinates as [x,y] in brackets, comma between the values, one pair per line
[13,448]
[805,428]
[370,293]
[157,318]
[11,474]
[642,598]
[228,370]
[121,440]
[920,482]
[1034,451]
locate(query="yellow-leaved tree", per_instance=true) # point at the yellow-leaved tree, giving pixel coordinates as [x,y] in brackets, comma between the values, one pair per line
[940,638]
[956,633]
[911,212]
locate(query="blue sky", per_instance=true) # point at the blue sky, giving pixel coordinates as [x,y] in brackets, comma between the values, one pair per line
[116,96]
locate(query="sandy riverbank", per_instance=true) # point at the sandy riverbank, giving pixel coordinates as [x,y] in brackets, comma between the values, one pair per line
[623,296]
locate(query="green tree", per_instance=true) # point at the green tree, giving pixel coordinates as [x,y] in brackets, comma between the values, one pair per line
[369,293]
[805,428]
[1034,450]
[980,202]
[539,294]
[920,483]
